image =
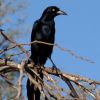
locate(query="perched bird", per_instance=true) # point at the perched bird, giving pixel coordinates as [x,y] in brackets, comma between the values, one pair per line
[43,30]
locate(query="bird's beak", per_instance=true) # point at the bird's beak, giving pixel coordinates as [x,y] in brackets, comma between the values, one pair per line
[60,12]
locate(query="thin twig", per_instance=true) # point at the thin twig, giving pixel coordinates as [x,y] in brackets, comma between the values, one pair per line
[19,46]
[41,42]
[21,69]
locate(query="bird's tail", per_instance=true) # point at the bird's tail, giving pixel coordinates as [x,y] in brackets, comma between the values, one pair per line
[33,93]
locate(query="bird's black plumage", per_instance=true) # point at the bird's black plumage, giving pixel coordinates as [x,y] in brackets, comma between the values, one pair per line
[43,30]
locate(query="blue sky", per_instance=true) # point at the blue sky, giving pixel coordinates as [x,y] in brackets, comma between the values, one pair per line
[79,32]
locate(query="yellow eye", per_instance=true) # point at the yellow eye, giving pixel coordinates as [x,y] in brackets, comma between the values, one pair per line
[53,9]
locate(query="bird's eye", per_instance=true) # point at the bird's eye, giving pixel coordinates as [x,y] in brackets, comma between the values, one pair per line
[53,10]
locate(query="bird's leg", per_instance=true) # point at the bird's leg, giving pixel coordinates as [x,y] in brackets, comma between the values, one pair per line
[54,66]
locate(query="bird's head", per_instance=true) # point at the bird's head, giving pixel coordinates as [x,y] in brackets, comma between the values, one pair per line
[51,12]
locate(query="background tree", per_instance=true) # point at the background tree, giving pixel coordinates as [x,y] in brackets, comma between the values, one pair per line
[12,19]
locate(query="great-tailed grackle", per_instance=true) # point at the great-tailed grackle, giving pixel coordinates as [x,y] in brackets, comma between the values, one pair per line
[43,30]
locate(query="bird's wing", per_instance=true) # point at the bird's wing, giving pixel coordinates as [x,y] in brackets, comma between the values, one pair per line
[34,29]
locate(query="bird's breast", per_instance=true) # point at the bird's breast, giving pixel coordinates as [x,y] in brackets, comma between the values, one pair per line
[46,30]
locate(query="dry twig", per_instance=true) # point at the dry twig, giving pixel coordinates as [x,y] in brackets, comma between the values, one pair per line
[47,89]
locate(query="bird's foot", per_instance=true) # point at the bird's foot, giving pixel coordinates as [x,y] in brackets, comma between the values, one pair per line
[54,67]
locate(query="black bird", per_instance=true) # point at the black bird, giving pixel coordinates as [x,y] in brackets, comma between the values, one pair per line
[43,30]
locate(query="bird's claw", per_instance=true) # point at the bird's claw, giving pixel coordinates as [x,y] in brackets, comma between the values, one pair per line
[54,67]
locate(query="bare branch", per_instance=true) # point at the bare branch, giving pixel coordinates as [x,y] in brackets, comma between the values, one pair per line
[21,69]
[48,86]
[41,42]
[19,46]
